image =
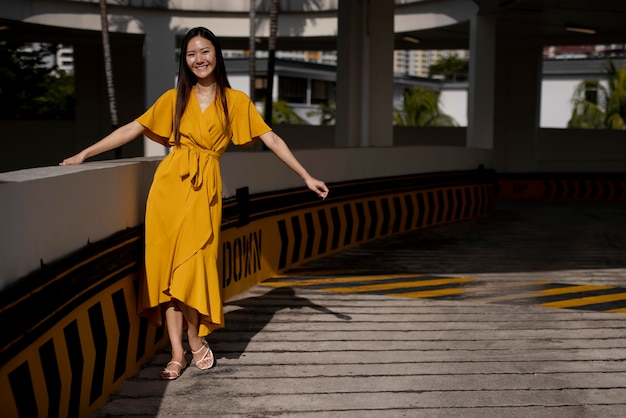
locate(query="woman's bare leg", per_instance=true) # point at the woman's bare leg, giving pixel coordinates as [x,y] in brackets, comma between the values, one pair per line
[174,320]
[202,357]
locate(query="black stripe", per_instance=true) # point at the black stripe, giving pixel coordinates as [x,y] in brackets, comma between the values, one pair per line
[386,215]
[458,202]
[430,195]
[49,363]
[606,190]
[371,205]
[310,234]
[321,214]
[477,202]
[569,296]
[74,350]
[601,307]
[450,205]
[547,184]
[284,244]
[23,392]
[411,289]
[440,206]
[123,325]
[411,213]
[360,214]
[595,189]
[421,204]
[347,210]
[398,211]
[297,239]
[142,338]
[468,202]
[334,216]
[560,189]
[99,335]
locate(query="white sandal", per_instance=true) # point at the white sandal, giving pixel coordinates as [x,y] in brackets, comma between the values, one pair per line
[208,354]
[167,374]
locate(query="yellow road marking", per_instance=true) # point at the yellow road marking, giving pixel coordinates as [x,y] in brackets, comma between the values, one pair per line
[428,293]
[590,300]
[387,286]
[325,280]
[572,289]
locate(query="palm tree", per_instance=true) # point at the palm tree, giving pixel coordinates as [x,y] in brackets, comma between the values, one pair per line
[589,99]
[420,107]
[283,113]
[271,60]
[598,107]
[108,69]
[252,48]
[451,68]
[616,104]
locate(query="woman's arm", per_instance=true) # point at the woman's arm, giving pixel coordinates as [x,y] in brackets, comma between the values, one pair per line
[282,151]
[121,136]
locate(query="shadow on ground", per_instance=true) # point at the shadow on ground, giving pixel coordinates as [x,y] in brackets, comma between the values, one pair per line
[247,317]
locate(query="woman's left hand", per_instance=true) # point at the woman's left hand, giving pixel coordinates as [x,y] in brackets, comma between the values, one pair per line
[318,187]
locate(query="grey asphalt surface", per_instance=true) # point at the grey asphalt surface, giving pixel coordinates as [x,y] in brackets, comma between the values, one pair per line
[491,347]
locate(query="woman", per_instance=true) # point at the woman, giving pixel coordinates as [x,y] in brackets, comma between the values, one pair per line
[184,208]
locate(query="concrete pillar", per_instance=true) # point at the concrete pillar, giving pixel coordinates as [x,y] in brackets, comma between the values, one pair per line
[365,73]
[160,66]
[517,107]
[480,129]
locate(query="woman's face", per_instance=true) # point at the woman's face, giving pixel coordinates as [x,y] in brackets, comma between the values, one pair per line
[201,57]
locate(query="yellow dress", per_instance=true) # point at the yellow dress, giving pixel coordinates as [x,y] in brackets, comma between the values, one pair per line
[184,207]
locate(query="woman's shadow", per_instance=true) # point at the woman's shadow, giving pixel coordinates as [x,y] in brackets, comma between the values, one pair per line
[247,317]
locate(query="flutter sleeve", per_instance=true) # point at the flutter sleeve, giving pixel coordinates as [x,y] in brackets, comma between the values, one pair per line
[159,118]
[247,122]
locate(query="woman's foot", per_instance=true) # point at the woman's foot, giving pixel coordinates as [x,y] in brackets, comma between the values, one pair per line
[203,357]
[173,370]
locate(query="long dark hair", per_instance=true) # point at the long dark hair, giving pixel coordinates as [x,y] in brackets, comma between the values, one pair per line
[187,79]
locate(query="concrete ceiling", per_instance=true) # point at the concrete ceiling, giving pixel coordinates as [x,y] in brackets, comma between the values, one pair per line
[538,22]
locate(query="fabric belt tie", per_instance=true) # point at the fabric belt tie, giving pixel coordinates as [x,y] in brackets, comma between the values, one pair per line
[193,164]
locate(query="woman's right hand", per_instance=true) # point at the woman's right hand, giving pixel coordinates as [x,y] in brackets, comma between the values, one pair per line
[73,160]
[121,136]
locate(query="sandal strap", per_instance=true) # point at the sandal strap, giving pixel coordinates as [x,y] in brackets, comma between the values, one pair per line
[204,344]
[176,363]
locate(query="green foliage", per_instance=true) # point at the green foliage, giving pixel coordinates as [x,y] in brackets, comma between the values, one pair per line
[326,112]
[282,113]
[420,107]
[616,103]
[29,88]
[451,68]
[597,107]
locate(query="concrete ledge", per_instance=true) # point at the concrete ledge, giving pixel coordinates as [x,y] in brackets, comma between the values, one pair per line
[50,212]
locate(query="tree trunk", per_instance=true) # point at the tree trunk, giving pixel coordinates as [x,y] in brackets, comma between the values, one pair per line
[252,49]
[271,60]
[108,70]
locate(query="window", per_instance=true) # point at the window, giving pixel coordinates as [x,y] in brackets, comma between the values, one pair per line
[322,91]
[292,89]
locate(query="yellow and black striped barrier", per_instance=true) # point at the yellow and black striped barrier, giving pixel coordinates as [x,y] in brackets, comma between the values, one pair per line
[71,334]
[605,187]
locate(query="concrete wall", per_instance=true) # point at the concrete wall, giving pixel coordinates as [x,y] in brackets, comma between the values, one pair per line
[49,212]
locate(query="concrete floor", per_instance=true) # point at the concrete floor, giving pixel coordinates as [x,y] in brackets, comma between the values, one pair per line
[519,315]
